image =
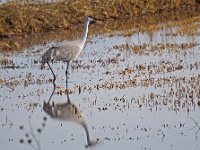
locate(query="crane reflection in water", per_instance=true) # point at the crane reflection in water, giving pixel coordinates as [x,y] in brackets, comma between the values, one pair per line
[69,112]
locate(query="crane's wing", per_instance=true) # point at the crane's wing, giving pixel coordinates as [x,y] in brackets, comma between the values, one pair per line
[63,52]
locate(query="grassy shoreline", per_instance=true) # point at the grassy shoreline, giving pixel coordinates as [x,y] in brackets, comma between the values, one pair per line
[18,20]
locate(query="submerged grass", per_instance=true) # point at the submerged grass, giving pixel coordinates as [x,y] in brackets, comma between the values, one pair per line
[30,18]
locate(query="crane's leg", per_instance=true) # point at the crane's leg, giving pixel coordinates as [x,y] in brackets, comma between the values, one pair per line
[54,85]
[54,77]
[54,88]
[68,99]
[66,72]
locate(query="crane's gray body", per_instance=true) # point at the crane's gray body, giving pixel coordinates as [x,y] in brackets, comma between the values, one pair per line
[64,52]
[69,50]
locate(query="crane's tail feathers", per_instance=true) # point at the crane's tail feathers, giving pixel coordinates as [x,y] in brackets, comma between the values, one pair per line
[47,56]
[43,61]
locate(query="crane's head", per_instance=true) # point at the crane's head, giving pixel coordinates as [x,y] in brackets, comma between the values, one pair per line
[89,19]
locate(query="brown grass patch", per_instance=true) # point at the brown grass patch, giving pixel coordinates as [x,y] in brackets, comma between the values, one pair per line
[28,19]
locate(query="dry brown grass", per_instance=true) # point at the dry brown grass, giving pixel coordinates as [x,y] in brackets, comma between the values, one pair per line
[26,19]
[30,18]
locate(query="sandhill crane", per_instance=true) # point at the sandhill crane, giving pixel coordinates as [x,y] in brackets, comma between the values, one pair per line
[67,51]
[69,112]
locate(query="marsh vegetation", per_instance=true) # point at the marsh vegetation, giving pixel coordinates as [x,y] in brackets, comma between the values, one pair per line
[26,23]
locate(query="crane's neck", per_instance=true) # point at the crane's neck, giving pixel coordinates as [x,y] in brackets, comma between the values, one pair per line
[84,34]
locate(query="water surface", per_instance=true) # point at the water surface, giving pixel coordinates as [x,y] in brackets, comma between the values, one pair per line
[135,92]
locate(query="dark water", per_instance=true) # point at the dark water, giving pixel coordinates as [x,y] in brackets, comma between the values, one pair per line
[135,92]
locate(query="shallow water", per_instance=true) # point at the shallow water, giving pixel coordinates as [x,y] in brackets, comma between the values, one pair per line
[135,92]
